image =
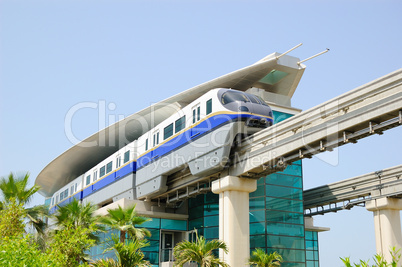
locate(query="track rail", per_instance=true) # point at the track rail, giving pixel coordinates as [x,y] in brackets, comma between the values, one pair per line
[355,191]
[367,110]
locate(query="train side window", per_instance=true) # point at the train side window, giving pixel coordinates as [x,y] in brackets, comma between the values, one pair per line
[75,187]
[61,196]
[156,138]
[52,201]
[102,171]
[262,101]
[88,180]
[72,189]
[209,106]
[66,193]
[180,124]
[232,96]
[196,113]
[118,161]
[95,175]
[146,144]
[253,99]
[57,198]
[109,167]
[127,156]
[168,131]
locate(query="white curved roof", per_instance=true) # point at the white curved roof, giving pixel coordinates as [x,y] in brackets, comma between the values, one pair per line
[280,76]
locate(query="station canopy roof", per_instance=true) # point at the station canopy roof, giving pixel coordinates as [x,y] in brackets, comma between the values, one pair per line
[276,75]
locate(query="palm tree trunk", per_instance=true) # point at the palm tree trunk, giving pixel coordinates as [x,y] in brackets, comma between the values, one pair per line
[122,236]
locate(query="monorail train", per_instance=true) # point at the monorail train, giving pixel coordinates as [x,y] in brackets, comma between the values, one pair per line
[198,136]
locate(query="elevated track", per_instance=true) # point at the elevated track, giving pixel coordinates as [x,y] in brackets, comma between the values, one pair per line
[353,192]
[369,109]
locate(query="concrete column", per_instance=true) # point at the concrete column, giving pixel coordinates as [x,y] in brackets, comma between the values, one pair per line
[387,224]
[234,225]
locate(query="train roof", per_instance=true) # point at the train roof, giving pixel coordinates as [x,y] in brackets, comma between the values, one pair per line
[277,75]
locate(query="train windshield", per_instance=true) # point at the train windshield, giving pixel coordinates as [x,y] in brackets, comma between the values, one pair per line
[232,96]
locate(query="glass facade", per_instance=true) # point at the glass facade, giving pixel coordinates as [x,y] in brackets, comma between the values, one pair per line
[203,212]
[312,249]
[276,219]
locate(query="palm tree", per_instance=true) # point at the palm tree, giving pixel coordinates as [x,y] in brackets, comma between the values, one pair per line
[17,188]
[127,254]
[125,220]
[261,259]
[199,251]
[76,214]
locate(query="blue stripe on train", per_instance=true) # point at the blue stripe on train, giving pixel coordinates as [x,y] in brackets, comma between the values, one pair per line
[186,137]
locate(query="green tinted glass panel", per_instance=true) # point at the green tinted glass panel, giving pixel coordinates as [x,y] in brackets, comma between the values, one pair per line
[257,203]
[285,216]
[257,228]
[257,241]
[211,198]
[127,156]
[211,233]
[285,180]
[257,216]
[88,180]
[168,131]
[154,234]
[285,241]
[284,204]
[152,257]
[102,171]
[273,77]
[109,167]
[211,221]
[259,192]
[209,106]
[285,192]
[180,124]
[195,212]
[311,245]
[293,170]
[280,116]
[285,229]
[173,224]
[211,209]
[290,255]
[195,224]
[153,223]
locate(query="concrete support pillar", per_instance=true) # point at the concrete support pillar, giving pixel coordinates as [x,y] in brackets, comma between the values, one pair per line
[234,226]
[387,224]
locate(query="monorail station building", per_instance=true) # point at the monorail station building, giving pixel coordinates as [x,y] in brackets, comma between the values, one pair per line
[175,161]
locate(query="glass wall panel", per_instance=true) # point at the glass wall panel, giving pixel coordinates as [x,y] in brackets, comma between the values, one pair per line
[211,232]
[211,209]
[211,221]
[285,180]
[284,204]
[285,216]
[257,216]
[285,192]
[173,224]
[285,229]
[257,241]
[257,228]
[292,242]
[291,255]
[257,203]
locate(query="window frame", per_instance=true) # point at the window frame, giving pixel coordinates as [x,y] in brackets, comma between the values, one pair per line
[168,131]
[109,167]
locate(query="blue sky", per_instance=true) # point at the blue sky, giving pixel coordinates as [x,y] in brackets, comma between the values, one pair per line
[56,54]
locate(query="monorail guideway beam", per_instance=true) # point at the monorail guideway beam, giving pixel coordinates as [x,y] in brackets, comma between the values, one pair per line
[367,110]
[379,191]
